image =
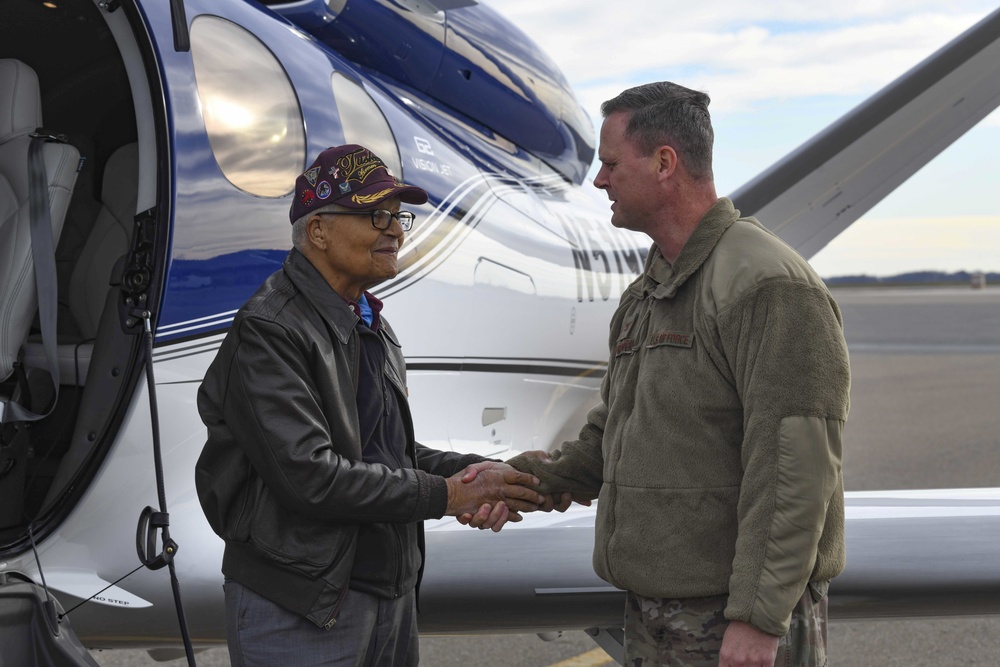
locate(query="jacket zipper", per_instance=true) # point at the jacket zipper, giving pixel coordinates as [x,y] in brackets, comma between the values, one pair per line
[357,359]
[613,490]
[400,401]
[332,621]
[405,414]
[400,554]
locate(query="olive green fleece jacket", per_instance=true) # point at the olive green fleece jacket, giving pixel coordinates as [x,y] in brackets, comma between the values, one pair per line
[716,449]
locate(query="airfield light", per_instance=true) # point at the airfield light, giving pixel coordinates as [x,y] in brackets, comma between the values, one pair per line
[50,5]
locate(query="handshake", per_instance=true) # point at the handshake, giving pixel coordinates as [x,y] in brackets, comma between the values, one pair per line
[489,494]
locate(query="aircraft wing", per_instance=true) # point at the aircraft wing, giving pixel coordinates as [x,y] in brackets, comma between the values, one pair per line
[815,192]
[909,554]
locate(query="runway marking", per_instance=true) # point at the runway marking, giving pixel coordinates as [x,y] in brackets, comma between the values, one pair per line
[595,658]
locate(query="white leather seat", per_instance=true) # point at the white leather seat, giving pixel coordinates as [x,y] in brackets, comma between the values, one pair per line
[20,115]
[109,239]
[94,306]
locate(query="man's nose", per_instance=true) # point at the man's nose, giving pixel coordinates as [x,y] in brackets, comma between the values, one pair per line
[394,229]
[601,180]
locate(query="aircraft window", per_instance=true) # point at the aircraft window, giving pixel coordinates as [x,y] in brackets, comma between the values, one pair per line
[251,113]
[364,123]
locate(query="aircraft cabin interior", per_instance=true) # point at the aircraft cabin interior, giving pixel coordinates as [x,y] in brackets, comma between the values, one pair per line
[67,70]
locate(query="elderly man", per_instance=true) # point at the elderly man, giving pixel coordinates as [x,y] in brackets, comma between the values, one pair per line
[311,473]
[716,449]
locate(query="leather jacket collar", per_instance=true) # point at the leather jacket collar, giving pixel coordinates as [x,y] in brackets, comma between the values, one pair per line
[330,305]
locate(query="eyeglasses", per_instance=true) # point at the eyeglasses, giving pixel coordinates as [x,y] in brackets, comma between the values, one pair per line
[382,218]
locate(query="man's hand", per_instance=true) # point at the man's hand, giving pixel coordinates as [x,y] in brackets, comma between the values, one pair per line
[493,494]
[745,646]
[560,502]
[539,454]
[495,517]
[472,471]
[489,517]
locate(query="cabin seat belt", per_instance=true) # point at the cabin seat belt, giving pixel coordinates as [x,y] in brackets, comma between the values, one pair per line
[44,255]
[14,416]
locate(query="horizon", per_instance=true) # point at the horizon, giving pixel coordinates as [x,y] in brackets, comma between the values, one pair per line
[943,274]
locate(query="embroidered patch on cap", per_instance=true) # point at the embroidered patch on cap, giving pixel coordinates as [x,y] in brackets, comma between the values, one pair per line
[311,176]
[372,198]
[359,165]
[350,176]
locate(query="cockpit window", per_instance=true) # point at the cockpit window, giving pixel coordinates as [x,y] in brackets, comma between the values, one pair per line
[252,116]
[364,123]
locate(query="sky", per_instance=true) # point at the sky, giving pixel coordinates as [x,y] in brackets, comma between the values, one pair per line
[780,71]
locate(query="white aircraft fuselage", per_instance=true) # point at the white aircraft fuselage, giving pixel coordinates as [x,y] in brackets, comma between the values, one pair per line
[205,111]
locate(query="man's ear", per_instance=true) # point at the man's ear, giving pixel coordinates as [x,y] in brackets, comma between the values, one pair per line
[666,162]
[316,232]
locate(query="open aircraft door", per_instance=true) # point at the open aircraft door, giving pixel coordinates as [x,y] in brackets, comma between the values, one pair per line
[102,118]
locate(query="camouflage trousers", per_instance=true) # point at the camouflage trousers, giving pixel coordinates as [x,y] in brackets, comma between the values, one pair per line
[688,632]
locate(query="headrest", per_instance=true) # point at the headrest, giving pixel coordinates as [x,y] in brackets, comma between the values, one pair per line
[20,99]
[119,190]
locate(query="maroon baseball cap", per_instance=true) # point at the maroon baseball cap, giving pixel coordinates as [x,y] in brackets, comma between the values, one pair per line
[350,176]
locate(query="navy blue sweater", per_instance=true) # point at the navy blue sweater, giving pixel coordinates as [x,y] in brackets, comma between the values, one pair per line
[387,561]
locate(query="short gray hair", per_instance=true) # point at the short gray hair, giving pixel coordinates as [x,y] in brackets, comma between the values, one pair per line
[300,236]
[665,113]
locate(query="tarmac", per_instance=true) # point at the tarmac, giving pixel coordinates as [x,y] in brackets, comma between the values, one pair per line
[925,368]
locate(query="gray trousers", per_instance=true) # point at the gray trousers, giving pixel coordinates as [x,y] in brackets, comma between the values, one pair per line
[370,632]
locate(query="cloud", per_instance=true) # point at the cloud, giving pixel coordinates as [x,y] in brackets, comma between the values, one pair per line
[741,53]
[778,72]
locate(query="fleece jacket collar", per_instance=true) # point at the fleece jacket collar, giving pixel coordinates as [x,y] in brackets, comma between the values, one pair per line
[661,279]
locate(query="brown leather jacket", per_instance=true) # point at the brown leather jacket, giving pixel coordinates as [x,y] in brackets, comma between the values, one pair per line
[281,477]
